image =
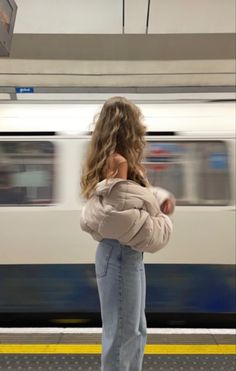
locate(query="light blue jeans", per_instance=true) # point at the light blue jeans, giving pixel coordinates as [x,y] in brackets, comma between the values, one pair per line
[122,291]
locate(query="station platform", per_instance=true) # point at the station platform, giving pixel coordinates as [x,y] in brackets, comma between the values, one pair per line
[62,349]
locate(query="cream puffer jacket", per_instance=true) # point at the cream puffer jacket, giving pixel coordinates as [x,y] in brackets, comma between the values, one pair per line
[124,210]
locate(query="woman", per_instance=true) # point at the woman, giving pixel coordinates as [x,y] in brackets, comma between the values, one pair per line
[124,213]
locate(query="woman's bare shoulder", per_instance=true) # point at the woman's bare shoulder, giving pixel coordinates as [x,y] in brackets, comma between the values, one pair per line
[118,158]
[118,166]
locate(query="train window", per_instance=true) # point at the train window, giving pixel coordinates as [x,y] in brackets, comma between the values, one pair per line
[195,172]
[213,173]
[26,173]
[163,162]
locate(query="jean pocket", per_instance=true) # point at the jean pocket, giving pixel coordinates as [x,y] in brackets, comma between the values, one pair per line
[103,255]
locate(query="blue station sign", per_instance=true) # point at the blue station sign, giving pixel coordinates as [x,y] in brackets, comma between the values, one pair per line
[24,89]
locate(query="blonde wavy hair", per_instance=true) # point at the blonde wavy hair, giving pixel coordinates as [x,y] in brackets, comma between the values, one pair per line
[118,128]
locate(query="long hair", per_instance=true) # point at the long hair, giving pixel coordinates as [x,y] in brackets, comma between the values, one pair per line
[118,128]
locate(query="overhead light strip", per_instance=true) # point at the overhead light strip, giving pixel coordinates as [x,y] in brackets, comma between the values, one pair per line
[89,97]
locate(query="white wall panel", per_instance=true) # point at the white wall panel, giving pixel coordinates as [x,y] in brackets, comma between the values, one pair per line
[69,16]
[135,16]
[189,16]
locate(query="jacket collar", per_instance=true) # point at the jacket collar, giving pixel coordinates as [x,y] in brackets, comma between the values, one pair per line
[105,186]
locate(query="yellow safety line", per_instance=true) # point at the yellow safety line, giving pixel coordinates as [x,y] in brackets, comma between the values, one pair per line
[96,349]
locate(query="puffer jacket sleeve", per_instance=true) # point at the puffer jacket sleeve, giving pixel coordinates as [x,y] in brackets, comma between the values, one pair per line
[161,194]
[154,234]
[138,229]
[86,228]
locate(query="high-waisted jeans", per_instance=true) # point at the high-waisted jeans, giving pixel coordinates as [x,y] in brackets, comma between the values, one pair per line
[122,290]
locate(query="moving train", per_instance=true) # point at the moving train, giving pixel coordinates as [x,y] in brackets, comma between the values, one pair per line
[47,270]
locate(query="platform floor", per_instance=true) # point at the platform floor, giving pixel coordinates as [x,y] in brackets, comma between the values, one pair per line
[92,362]
[65,350]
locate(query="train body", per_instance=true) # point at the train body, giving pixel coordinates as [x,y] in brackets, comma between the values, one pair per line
[47,262]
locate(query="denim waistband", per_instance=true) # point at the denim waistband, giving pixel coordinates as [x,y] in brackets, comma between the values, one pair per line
[125,248]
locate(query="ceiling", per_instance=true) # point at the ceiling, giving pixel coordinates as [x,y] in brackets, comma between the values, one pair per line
[121,43]
[124,30]
[125,16]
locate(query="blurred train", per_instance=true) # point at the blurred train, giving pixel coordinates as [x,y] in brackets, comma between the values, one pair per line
[47,262]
